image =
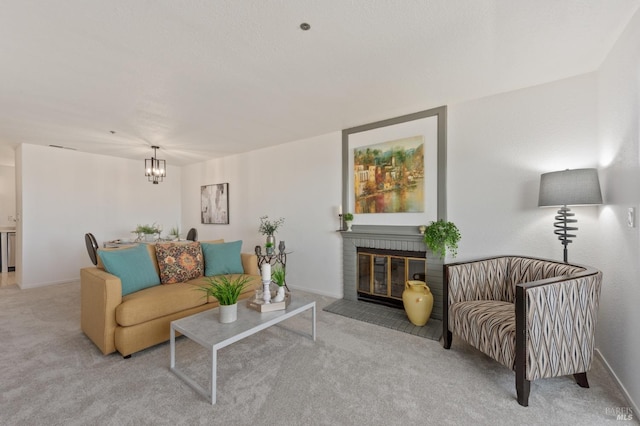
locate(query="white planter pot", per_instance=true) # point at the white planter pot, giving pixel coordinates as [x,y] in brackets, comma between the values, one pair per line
[228,313]
[279,295]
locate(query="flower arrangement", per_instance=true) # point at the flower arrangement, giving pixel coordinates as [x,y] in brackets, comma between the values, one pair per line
[348,217]
[269,227]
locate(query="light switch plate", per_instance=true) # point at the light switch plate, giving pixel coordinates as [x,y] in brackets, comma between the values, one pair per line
[631,217]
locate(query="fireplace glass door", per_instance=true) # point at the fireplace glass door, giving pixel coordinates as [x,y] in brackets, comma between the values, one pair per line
[381,277]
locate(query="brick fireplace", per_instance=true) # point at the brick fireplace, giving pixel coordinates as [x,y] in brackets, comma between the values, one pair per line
[394,240]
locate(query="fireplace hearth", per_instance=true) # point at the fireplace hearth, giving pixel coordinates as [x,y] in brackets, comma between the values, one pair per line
[377,260]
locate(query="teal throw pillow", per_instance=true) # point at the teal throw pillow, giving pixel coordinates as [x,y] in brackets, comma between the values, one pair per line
[133,266]
[222,258]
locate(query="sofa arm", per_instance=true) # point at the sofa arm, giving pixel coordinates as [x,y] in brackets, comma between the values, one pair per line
[100,294]
[250,263]
[555,323]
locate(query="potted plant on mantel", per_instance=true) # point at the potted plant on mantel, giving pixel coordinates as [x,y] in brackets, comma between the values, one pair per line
[227,290]
[348,218]
[442,236]
[268,228]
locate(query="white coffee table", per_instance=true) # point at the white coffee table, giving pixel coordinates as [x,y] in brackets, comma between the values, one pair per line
[206,330]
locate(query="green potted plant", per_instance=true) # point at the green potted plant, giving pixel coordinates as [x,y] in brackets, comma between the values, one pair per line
[174,233]
[227,290]
[442,236]
[148,231]
[269,228]
[278,276]
[348,218]
[270,246]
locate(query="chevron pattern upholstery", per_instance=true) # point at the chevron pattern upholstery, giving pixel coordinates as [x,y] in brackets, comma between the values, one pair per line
[535,316]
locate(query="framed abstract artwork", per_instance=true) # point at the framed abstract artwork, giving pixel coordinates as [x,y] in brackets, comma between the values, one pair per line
[214,204]
[394,171]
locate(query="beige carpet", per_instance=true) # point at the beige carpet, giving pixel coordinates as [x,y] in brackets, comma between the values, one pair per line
[354,374]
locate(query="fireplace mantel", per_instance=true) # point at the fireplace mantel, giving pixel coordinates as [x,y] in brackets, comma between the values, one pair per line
[405,238]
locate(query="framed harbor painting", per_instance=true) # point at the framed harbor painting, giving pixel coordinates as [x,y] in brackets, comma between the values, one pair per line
[214,204]
[394,170]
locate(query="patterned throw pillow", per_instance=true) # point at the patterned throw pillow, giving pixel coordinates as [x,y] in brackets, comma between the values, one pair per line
[179,262]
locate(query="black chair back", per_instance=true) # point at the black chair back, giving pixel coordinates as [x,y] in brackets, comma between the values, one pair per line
[192,235]
[92,247]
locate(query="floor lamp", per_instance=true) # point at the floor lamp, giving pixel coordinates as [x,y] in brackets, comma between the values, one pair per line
[568,188]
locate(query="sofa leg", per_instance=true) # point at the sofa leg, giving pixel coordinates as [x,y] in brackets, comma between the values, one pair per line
[447,337]
[126,356]
[581,378]
[523,386]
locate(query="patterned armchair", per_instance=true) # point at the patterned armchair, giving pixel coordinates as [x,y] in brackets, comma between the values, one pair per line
[534,316]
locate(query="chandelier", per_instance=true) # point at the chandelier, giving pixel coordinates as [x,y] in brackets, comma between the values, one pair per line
[155,169]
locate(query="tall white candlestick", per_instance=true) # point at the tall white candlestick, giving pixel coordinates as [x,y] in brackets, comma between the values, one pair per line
[266,272]
[340,209]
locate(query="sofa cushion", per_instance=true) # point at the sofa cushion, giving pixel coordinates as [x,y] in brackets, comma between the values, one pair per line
[179,262]
[133,266]
[159,301]
[222,258]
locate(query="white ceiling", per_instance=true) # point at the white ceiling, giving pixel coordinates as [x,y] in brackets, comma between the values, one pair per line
[205,79]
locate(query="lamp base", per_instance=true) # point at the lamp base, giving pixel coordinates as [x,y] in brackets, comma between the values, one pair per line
[563,219]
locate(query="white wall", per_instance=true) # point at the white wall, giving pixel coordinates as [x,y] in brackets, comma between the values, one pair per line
[299,181]
[498,146]
[619,136]
[65,194]
[7,195]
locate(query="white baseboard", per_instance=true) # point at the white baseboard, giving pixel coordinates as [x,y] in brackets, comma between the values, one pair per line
[612,373]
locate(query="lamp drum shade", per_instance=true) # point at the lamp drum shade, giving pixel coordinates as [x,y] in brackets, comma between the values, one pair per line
[570,188]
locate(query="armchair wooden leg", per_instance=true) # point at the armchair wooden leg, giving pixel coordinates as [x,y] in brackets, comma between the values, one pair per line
[447,337]
[523,386]
[581,378]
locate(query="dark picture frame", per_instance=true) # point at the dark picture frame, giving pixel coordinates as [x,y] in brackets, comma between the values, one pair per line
[214,204]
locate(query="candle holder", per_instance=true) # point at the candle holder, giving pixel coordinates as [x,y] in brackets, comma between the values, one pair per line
[342,224]
[266,291]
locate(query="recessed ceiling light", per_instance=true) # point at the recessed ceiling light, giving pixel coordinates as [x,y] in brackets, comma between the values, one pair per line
[305,27]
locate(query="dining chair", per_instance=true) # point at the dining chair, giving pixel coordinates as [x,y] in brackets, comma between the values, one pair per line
[192,235]
[92,247]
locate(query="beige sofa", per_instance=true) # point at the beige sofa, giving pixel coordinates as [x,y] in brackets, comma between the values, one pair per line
[139,320]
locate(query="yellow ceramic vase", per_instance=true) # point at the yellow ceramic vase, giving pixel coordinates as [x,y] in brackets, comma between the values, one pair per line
[418,302]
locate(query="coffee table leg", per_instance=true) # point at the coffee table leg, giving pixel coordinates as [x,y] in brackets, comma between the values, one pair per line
[172,338]
[214,362]
[313,322]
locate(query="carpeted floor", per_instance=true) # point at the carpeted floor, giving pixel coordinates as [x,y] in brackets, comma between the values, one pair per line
[385,316]
[355,373]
